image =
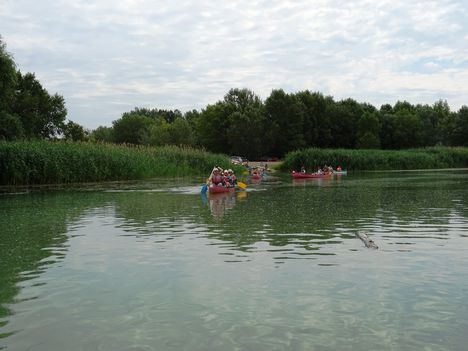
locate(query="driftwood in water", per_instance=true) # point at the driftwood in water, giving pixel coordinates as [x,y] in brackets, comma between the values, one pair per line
[366,240]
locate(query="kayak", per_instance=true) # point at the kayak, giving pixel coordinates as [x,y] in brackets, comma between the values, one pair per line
[256,176]
[217,189]
[340,172]
[300,175]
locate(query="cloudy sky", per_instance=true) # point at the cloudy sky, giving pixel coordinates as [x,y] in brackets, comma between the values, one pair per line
[107,56]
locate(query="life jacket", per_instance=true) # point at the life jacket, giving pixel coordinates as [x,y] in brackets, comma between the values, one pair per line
[217,179]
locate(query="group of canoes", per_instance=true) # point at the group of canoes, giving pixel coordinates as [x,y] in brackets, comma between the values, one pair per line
[223,181]
[326,171]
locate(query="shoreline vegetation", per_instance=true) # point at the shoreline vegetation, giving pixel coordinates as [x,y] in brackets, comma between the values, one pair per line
[375,160]
[61,162]
[28,163]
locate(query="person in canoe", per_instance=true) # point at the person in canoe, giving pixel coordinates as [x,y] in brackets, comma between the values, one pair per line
[216,177]
[303,170]
[226,179]
[327,170]
[232,177]
[339,169]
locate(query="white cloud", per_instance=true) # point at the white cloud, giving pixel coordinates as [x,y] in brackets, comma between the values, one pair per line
[104,56]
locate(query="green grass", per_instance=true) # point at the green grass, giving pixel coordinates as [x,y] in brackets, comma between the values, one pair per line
[425,158]
[42,162]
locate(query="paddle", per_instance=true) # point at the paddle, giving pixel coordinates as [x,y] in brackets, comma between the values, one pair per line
[204,187]
[242,185]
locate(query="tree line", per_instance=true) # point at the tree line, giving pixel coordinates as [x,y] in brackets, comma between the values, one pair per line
[241,123]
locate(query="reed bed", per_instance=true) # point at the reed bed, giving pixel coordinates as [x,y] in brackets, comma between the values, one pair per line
[424,158]
[42,162]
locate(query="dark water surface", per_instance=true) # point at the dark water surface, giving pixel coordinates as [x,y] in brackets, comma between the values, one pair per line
[154,266]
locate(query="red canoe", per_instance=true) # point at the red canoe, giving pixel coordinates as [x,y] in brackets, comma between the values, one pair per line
[217,189]
[300,175]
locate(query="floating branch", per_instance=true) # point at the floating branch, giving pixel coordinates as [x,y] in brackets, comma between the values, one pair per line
[366,240]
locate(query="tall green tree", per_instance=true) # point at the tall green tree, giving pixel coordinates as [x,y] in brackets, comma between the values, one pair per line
[212,127]
[316,121]
[8,79]
[344,118]
[459,128]
[285,116]
[181,132]
[103,134]
[132,129]
[10,127]
[247,132]
[42,115]
[159,133]
[75,132]
[368,131]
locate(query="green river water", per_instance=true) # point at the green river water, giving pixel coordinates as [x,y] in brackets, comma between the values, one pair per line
[155,266]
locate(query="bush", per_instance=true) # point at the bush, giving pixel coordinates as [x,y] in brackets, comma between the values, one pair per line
[42,162]
[425,158]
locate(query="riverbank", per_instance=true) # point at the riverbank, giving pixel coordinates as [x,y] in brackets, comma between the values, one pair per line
[372,160]
[43,162]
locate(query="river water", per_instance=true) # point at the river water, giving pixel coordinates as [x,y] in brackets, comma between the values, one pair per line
[155,266]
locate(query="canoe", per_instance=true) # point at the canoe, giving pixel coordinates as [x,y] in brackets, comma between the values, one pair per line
[340,172]
[217,189]
[300,175]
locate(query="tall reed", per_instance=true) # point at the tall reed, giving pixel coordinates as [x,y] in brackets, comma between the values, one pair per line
[424,158]
[42,162]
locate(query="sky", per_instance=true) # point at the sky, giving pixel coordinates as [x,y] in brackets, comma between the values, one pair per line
[106,57]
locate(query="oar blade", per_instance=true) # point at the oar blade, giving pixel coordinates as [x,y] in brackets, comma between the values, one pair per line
[242,185]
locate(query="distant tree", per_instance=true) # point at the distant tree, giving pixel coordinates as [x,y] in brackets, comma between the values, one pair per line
[132,129]
[344,118]
[75,132]
[152,113]
[316,126]
[191,116]
[387,130]
[403,106]
[401,128]
[168,115]
[181,132]
[242,99]
[368,131]
[407,130]
[248,133]
[159,133]
[285,117]
[459,128]
[386,109]
[103,134]
[212,127]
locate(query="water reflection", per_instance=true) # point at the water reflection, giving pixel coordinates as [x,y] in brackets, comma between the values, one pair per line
[220,203]
[277,265]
